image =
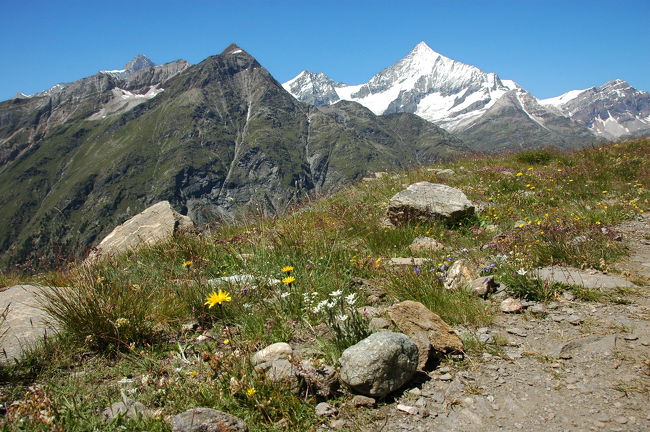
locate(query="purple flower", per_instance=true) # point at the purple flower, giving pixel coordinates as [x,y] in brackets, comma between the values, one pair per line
[416,271]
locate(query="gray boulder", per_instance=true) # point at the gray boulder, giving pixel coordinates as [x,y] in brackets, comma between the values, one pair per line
[425,202]
[154,224]
[207,420]
[25,323]
[380,364]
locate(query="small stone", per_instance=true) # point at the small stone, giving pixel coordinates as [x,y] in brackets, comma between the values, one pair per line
[621,419]
[630,337]
[445,377]
[574,319]
[510,305]
[517,332]
[190,326]
[483,286]
[460,276]
[537,308]
[339,424]
[425,244]
[263,358]
[408,261]
[568,296]
[421,402]
[324,409]
[407,409]
[201,338]
[363,401]
[207,420]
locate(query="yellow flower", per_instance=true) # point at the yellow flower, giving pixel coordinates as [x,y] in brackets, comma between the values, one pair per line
[519,174]
[286,269]
[251,391]
[187,263]
[193,374]
[216,298]
[226,341]
[288,280]
[604,191]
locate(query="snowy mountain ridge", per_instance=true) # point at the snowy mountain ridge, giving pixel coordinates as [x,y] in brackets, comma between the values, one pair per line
[437,88]
[455,96]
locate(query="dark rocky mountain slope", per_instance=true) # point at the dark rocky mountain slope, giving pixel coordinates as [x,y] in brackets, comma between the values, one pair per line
[217,139]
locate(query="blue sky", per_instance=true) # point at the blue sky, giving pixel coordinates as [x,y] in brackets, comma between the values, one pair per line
[548,47]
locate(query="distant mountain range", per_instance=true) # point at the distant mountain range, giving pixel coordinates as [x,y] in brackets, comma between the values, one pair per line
[489,113]
[218,139]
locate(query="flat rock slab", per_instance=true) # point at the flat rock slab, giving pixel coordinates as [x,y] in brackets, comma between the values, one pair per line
[25,322]
[574,276]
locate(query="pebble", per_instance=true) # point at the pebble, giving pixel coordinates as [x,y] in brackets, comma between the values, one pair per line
[574,319]
[568,295]
[537,308]
[485,338]
[363,401]
[339,424]
[407,409]
[517,332]
[630,337]
[510,305]
[324,409]
[620,419]
[445,377]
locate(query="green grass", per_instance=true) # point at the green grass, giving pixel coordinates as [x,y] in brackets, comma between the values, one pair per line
[123,316]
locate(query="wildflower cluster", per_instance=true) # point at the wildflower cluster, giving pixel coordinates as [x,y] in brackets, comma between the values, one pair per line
[340,313]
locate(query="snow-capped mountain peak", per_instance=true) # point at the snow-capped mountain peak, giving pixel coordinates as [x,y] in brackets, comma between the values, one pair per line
[313,88]
[447,92]
[613,110]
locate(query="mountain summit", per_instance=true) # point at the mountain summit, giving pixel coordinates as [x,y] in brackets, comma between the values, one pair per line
[613,110]
[437,88]
[139,62]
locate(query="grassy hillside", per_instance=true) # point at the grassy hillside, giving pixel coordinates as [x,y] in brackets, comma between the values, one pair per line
[122,318]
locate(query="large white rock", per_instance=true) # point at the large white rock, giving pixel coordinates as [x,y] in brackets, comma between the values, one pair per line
[425,202]
[154,224]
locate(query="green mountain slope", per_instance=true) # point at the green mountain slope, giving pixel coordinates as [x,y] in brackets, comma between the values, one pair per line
[223,138]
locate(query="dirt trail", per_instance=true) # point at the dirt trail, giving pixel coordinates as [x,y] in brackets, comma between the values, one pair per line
[581,366]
